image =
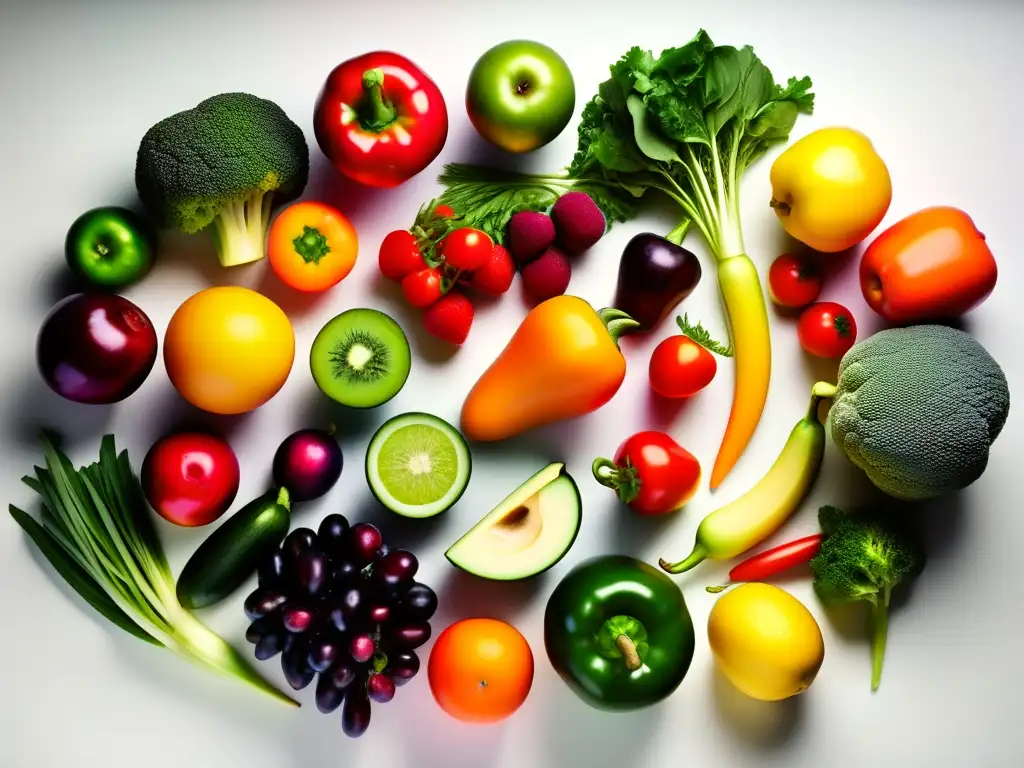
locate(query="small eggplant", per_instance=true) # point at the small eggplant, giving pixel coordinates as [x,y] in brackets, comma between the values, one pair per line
[655,275]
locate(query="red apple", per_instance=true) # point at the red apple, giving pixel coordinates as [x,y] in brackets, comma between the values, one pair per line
[96,348]
[191,478]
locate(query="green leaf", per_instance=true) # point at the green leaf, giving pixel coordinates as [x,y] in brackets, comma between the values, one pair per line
[652,145]
[77,578]
[700,335]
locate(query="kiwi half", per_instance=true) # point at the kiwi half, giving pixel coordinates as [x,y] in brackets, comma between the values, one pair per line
[360,358]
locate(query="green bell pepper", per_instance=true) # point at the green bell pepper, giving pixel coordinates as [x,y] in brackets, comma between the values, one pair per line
[618,633]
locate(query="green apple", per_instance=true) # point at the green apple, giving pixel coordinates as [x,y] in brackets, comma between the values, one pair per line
[520,95]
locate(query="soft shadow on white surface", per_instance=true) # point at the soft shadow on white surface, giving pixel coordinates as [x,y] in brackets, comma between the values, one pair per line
[759,725]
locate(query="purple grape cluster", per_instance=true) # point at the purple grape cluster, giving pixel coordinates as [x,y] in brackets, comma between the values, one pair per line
[340,606]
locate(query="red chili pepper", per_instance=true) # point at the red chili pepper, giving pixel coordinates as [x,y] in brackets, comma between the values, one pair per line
[774,561]
[379,119]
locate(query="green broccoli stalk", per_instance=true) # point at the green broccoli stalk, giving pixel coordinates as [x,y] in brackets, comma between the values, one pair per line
[863,559]
[227,162]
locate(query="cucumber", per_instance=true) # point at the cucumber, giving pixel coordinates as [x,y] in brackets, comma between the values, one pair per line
[233,552]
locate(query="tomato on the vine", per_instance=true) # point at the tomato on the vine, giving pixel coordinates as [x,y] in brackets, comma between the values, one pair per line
[651,473]
[680,367]
[422,288]
[399,255]
[466,248]
[444,211]
[793,281]
[827,329]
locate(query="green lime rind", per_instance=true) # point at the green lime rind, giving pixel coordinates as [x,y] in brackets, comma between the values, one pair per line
[418,465]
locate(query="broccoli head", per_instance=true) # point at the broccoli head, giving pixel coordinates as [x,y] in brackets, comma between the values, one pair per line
[226,161]
[863,558]
[918,408]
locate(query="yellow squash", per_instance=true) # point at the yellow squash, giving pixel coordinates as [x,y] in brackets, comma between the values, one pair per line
[563,361]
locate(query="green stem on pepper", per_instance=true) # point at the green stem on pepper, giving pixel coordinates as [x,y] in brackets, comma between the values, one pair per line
[376,113]
[621,479]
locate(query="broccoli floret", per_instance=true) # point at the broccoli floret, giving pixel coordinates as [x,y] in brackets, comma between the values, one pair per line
[227,161]
[863,558]
[918,408]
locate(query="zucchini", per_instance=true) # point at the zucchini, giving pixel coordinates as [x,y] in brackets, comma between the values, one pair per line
[233,552]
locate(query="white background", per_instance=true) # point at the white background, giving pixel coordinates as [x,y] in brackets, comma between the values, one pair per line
[935,85]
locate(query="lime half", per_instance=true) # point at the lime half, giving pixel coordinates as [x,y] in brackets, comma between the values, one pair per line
[418,465]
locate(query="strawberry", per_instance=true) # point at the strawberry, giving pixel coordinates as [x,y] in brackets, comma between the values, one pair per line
[450,317]
[495,276]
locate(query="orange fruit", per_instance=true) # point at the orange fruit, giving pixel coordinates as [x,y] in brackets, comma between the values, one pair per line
[480,670]
[228,349]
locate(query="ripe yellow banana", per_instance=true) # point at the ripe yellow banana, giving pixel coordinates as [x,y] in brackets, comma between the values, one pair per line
[733,529]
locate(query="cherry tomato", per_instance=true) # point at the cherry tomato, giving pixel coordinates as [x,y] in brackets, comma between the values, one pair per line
[466,248]
[651,473]
[793,281]
[312,246]
[480,670]
[680,367]
[826,329]
[191,478]
[399,255]
[422,288]
[444,211]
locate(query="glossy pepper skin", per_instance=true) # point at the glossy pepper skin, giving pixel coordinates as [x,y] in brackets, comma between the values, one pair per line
[932,265]
[379,119]
[563,361]
[604,609]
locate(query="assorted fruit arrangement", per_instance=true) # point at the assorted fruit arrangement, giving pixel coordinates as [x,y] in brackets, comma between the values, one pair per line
[916,406]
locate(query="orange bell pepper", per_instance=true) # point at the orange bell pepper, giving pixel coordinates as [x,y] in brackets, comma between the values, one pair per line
[563,361]
[932,265]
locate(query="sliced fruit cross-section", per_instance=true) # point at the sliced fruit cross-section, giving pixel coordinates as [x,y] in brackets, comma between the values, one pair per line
[527,533]
[417,465]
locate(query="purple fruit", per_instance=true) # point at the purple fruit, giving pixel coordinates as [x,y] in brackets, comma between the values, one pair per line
[297,619]
[380,688]
[361,648]
[364,542]
[355,714]
[579,222]
[655,275]
[96,348]
[402,667]
[380,614]
[308,463]
[530,233]
[409,636]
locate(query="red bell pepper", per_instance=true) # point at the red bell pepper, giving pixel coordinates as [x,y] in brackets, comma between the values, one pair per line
[379,119]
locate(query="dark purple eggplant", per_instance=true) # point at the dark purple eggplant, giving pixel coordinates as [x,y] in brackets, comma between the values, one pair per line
[655,275]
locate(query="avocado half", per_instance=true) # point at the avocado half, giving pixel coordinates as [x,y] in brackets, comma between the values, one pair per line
[527,533]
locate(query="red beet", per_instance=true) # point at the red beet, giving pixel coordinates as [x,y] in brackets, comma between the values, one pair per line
[530,233]
[578,222]
[547,276]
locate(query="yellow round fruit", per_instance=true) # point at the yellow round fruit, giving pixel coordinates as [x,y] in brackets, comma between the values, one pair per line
[765,641]
[830,189]
[228,350]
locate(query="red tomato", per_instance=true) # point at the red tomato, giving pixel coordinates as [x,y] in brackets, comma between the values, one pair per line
[444,211]
[827,329]
[422,288]
[466,248]
[793,281]
[680,367]
[399,255]
[190,478]
[651,473]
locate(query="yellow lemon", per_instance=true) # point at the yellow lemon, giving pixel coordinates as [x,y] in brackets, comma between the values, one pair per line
[830,189]
[765,641]
[228,349]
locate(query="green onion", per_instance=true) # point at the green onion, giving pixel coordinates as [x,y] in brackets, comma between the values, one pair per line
[97,534]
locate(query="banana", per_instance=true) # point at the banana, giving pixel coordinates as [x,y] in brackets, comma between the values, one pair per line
[733,529]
